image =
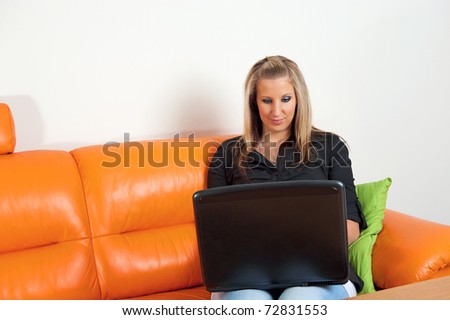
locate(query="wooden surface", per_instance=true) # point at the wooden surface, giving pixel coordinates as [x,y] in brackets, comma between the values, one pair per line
[434,289]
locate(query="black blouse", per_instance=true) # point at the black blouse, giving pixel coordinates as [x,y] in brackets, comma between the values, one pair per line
[330,162]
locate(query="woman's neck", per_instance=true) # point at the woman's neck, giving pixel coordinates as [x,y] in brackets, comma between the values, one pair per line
[277,137]
[270,144]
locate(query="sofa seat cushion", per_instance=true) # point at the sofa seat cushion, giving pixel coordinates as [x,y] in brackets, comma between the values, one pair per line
[149,261]
[60,271]
[195,293]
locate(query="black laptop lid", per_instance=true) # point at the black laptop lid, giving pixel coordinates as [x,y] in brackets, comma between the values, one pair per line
[272,235]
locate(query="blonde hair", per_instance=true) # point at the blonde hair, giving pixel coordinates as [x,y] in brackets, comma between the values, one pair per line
[269,68]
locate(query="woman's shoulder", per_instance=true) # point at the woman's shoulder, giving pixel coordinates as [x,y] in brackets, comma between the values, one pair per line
[327,140]
[325,136]
[228,145]
[231,142]
[332,148]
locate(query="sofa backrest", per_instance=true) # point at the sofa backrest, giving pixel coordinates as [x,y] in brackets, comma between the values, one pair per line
[45,241]
[99,222]
[139,201]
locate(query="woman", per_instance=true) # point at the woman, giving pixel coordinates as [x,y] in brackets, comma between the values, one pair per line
[280,143]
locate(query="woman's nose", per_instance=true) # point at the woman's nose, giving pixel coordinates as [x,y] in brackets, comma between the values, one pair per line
[276,108]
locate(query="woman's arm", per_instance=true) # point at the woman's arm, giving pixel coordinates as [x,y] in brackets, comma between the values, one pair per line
[217,175]
[341,169]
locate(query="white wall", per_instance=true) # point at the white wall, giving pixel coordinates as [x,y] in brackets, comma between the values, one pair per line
[85,72]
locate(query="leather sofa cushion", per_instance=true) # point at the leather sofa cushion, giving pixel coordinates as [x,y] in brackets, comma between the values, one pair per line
[7,130]
[141,214]
[45,241]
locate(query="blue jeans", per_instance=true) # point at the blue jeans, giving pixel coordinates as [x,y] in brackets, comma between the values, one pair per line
[333,292]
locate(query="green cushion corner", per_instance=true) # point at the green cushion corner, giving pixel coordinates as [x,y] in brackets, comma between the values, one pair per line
[372,197]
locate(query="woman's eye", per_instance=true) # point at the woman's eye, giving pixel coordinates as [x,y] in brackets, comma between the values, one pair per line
[266,101]
[286,99]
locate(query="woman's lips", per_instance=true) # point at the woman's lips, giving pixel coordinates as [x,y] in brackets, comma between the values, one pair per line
[276,122]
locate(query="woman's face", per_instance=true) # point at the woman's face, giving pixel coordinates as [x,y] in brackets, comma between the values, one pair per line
[276,104]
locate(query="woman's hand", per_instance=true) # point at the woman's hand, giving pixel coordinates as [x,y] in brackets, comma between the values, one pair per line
[352,231]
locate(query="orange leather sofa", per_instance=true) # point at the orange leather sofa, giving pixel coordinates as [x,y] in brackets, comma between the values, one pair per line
[116,222]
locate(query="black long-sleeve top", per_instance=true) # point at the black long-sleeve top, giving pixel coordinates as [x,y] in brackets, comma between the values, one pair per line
[330,162]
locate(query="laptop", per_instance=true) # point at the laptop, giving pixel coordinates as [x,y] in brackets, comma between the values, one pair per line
[272,235]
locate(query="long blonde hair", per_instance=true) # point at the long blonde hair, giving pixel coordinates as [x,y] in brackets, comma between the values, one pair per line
[302,129]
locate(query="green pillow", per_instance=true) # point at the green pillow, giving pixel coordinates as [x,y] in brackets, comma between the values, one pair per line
[372,196]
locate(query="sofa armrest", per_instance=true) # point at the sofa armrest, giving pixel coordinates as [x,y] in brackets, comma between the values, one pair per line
[408,250]
[7,130]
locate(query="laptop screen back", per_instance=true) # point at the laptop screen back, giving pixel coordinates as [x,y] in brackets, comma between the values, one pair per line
[272,235]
